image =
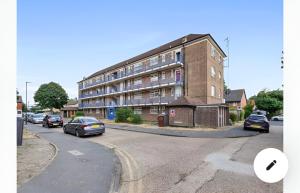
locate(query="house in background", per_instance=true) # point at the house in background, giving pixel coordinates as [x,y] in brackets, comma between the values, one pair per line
[236,99]
[69,109]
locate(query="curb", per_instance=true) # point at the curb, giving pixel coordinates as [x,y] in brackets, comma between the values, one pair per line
[190,134]
[56,149]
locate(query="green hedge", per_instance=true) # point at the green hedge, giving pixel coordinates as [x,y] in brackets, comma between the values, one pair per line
[135,118]
[126,115]
[79,113]
[122,114]
[233,117]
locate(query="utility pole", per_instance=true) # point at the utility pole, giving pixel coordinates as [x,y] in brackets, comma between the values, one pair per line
[227,66]
[26,104]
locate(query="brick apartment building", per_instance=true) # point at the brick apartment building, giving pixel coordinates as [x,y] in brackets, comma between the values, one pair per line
[191,66]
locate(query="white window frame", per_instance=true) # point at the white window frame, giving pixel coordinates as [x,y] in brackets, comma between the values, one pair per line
[212,71]
[153,61]
[137,95]
[138,81]
[163,58]
[163,92]
[172,91]
[163,75]
[138,66]
[154,77]
[213,90]
[138,110]
[154,93]
[153,110]
[212,51]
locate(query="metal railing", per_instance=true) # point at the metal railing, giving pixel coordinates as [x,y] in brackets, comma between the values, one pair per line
[128,73]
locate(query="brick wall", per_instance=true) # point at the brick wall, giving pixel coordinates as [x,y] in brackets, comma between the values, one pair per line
[196,70]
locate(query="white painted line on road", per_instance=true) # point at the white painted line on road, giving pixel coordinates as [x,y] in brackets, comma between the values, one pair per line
[75,152]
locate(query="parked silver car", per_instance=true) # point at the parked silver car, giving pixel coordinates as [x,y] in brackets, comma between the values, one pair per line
[37,118]
[277,118]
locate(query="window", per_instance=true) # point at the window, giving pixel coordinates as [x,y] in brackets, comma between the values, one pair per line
[163,57]
[163,75]
[154,93]
[154,110]
[220,76]
[212,51]
[154,61]
[213,90]
[137,81]
[137,110]
[163,92]
[212,71]
[172,91]
[163,109]
[138,95]
[178,57]
[138,66]
[154,77]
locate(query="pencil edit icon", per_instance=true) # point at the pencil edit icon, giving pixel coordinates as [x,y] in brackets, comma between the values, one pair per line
[271,165]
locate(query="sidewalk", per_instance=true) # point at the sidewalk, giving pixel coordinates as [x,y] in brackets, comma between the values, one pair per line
[33,156]
[224,132]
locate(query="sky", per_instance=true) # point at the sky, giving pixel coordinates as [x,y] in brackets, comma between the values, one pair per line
[63,41]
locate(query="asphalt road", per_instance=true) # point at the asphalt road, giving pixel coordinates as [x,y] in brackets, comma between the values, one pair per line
[195,165]
[79,167]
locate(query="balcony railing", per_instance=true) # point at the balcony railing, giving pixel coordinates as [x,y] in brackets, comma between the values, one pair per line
[147,101]
[132,87]
[129,73]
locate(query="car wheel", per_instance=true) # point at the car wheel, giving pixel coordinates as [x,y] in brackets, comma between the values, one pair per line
[77,133]
[48,125]
[267,131]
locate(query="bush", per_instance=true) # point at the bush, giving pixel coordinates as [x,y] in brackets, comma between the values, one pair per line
[233,117]
[79,113]
[135,118]
[122,114]
[248,110]
[242,115]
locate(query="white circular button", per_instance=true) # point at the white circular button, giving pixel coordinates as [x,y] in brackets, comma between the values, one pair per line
[270,165]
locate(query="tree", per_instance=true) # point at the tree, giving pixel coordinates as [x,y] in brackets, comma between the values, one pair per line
[271,105]
[248,109]
[51,95]
[24,108]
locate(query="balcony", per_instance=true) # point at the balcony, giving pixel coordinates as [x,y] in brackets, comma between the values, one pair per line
[92,105]
[149,101]
[139,70]
[117,89]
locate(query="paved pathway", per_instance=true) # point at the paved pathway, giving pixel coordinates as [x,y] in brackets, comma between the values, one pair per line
[227,133]
[79,167]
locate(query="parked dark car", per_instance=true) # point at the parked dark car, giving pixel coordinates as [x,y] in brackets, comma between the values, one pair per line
[82,126]
[257,122]
[52,121]
[36,118]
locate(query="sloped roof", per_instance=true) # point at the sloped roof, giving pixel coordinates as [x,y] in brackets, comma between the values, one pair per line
[235,95]
[187,101]
[157,50]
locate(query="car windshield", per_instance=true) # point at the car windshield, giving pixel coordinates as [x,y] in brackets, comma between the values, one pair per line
[89,120]
[256,117]
[55,116]
[37,116]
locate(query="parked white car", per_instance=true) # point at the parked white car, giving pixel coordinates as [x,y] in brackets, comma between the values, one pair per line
[277,118]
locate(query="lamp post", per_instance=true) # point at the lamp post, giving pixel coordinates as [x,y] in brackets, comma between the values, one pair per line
[26,104]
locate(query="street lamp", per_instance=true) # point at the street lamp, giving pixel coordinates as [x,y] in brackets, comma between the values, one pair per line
[26,104]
